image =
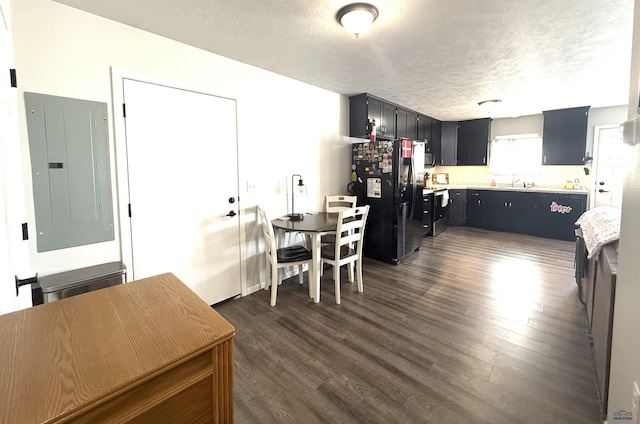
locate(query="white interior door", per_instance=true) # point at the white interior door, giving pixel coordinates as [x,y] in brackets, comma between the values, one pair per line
[5,123]
[14,254]
[609,166]
[182,168]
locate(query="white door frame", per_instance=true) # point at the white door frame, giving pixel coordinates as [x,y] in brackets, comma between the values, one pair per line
[14,251]
[120,140]
[594,163]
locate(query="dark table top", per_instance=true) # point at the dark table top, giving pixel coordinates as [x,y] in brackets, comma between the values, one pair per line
[316,222]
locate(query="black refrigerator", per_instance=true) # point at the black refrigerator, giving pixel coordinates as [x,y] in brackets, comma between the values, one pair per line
[388,176]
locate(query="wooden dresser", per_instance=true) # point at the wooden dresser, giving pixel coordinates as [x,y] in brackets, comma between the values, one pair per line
[150,351]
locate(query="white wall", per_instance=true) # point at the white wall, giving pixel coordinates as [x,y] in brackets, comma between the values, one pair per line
[284,126]
[625,350]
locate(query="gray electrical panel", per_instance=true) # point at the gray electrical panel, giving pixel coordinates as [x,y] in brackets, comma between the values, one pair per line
[69,146]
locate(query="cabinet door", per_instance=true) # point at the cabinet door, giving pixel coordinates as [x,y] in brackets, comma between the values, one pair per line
[406,124]
[449,143]
[564,136]
[374,111]
[457,207]
[436,136]
[476,202]
[387,126]
[556,214]
[358,116]
[521,212]
[473,141]
[495,211]
[424,131]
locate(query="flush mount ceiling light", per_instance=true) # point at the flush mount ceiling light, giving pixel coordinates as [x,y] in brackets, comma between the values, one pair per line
[356,18]
[489,105]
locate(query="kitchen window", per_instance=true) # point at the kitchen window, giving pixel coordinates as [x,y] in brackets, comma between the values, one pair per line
[517,154]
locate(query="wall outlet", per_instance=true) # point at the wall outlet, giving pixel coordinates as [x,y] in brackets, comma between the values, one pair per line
[252,186]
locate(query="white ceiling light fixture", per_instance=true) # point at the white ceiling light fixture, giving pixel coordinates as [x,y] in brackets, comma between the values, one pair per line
[489,105]
[356,18]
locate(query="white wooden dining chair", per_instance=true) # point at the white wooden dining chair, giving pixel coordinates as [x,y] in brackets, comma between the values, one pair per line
[280,258]
[337,203]
[347,250]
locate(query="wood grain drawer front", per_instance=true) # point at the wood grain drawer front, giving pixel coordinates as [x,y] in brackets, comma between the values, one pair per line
[192,379]
[190,406]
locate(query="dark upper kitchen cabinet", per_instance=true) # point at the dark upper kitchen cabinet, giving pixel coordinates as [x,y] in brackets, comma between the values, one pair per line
[406,124]
[430,131]
[425,125]
[564,136]
[436,141]
[364,108]
[449,143]
[473,141]
[392,122]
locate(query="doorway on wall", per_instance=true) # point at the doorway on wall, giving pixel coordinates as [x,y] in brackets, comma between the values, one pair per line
[182,187]
[610,156]
[14,253]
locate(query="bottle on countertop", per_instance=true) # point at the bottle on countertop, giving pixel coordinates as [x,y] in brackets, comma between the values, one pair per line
[493,182]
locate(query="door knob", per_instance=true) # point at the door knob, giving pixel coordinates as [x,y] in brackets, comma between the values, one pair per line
[603,191]
[231,213]
[232,199]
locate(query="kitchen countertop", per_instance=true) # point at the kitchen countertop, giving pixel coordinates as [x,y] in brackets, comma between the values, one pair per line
[510,188]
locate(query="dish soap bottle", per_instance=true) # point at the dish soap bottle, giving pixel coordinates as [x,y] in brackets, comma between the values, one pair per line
[493,182]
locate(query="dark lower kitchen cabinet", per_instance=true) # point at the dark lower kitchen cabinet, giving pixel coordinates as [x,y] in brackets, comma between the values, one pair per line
[476,206]
[473,141]
[564,136]
[510,211]
[457,206]
[556,214]
[427,213]
[550,215]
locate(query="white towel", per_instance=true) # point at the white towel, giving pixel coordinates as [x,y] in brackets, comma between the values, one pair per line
[599,226]
[445,198]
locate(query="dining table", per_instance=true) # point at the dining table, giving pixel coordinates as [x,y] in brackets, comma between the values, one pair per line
[314,225]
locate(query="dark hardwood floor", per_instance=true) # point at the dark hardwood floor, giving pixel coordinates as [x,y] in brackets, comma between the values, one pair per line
[475,327]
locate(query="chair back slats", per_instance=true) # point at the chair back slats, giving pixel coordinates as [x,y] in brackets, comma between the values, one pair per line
[337,203]
[267,231]
[350,231]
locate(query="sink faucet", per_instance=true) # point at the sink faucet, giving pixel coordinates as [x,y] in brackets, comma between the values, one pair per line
[515,180]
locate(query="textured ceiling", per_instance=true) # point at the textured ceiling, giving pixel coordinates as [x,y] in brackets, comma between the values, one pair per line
[439,57]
